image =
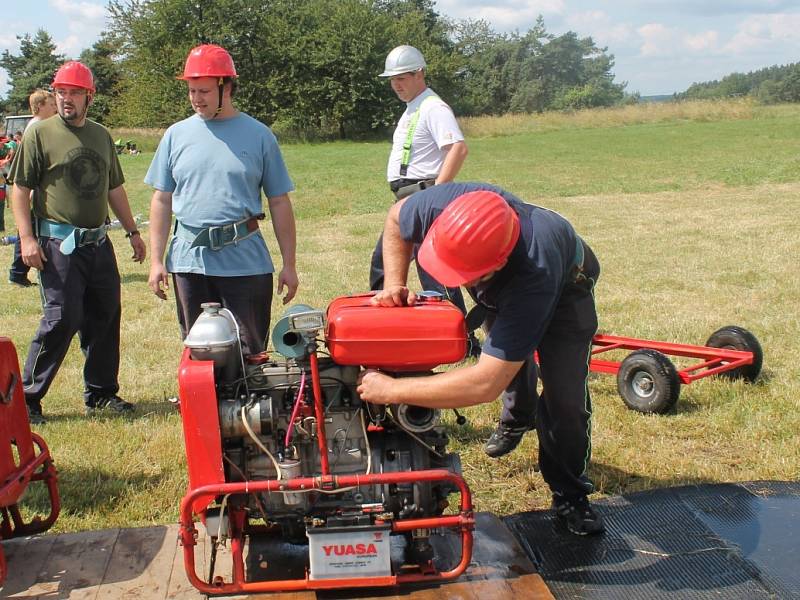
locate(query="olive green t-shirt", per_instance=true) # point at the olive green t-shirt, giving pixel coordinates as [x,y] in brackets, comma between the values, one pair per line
[70,168]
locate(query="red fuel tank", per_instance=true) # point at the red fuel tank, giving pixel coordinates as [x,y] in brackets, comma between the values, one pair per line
[398,338]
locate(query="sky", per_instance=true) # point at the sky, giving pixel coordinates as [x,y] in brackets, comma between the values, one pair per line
[660,46]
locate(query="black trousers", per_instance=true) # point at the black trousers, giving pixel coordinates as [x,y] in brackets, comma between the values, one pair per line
[249,298]
[563,412]
[80,294]
[426,279]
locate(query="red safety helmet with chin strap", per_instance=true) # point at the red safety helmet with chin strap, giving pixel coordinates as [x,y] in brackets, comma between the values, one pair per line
[75,74]
[472,237]
[208,60]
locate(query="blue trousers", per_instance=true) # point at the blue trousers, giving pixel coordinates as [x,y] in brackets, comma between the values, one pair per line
[80,294]
[19,270]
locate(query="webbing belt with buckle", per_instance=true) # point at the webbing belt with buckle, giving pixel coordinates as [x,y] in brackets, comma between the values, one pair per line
[218,236]
[71,237]
[412,187]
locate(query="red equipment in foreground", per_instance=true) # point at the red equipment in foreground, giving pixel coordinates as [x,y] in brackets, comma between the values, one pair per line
[24,456]
[289,443]
[649,382]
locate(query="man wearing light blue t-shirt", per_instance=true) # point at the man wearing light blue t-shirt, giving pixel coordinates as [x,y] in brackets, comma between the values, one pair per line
[209,171]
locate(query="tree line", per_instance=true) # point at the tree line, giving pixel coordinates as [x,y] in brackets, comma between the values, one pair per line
[771,85]
[311,65]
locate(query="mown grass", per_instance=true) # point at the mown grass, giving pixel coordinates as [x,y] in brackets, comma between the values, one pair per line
[694,221]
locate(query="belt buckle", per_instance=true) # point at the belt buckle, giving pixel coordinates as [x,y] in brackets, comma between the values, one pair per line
[407,190]
[89,237]
[236,236]
[216,237]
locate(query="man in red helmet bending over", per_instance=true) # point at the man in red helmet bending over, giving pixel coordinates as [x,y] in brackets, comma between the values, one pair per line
[210,170]
[72,165]
[535,276]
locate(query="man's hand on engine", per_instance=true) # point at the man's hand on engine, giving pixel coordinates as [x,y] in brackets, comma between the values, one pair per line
[395,295]
[375,387]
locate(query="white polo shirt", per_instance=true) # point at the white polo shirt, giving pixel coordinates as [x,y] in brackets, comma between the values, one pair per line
[436,128]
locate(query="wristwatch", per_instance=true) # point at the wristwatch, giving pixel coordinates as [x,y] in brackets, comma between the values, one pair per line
[130,234]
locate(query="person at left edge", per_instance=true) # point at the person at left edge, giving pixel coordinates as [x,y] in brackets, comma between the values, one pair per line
[72,164]
[209,171]
[43,106]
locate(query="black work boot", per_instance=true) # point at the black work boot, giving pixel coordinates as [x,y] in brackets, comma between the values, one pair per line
[35,416]
[577,515]
[504,439]
[112,402]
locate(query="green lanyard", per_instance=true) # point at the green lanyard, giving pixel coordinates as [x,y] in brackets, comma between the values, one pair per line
[412,127]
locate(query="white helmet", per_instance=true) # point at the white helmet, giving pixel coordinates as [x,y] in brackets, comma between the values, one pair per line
[403,59]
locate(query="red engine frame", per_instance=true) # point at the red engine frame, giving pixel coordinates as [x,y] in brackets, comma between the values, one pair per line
[24,457]
[207,480]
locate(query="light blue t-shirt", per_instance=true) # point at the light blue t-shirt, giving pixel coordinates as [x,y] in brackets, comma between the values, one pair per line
[215,170]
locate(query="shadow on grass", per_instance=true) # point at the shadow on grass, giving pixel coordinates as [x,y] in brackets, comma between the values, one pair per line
[468,433]
[84,490]
[141,409]
[614,481]
[134,278]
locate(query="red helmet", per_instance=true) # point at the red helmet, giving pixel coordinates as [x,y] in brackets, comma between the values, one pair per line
[472,237]
[208,60]
[75,74]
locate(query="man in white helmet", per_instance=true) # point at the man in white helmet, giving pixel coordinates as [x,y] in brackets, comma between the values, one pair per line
[428,148]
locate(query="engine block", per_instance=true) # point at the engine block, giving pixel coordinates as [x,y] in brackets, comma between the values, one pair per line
[360,439]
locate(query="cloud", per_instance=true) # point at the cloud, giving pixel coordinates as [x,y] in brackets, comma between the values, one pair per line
[85,22]
[762,31]
[80,10]
[8,41]
[659,41]
[701,42]
[505,16]
[600,26]
[716,8]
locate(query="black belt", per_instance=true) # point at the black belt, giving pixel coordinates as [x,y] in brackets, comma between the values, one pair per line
[405,187]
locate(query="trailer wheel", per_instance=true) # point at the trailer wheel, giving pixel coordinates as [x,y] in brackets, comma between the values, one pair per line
[648,381]
[738,338]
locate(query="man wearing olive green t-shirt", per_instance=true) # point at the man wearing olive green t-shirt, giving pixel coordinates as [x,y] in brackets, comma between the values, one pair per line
[72,164]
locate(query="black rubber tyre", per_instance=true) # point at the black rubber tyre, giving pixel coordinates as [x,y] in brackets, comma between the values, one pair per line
[738,338]
[648,382]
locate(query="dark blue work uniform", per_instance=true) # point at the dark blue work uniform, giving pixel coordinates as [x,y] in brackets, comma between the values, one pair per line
[541,300]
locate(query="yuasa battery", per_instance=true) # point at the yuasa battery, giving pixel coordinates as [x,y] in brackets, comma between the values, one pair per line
[345,552]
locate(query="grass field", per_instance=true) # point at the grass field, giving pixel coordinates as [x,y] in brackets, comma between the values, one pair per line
[693,217]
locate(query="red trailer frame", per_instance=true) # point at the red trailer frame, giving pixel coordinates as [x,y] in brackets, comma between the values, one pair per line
[649,382]
[712,360]
[24,457]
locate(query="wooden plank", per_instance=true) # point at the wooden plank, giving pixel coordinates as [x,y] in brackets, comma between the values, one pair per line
[529,586]
[75,565]
[140,565]
[148,564]
[179,587]
[25,558]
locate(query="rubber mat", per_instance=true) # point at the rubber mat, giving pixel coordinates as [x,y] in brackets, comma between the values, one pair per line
[733,541]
